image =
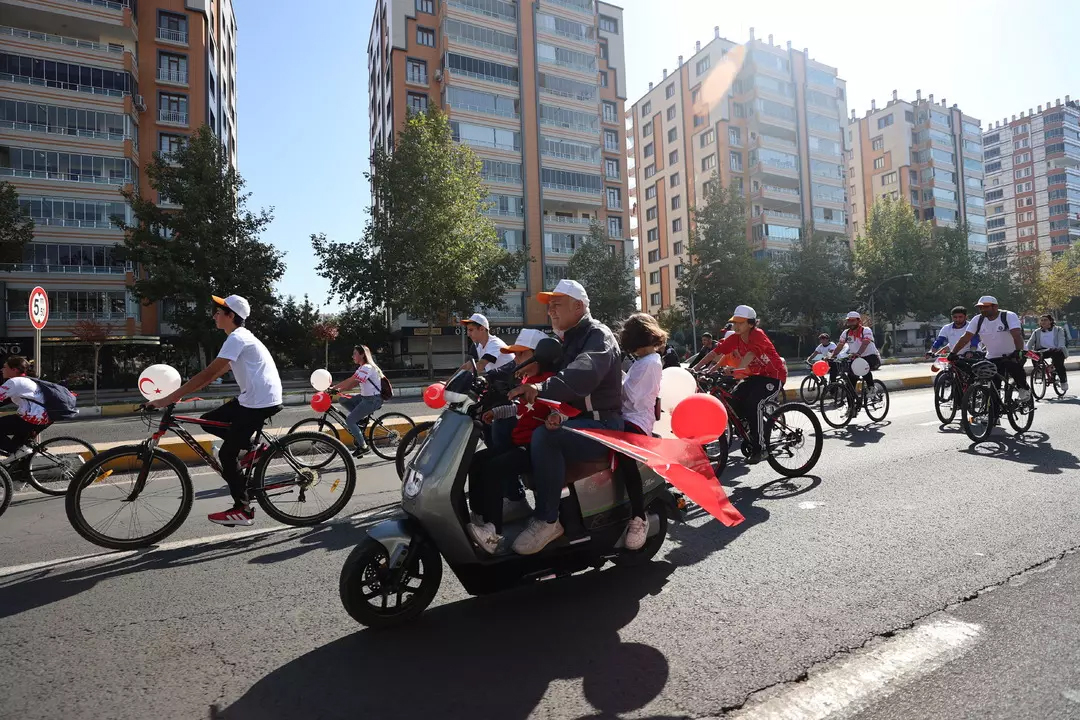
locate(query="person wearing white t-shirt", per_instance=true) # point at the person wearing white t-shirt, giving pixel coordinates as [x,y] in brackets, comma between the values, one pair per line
[30,417]
[488,346]
[1049,340]
[259,399]
[368,381]
[951,333]
[824,349]
[1001,336]
[858,339]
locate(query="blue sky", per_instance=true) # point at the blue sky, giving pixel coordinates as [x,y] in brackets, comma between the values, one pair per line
[302,85]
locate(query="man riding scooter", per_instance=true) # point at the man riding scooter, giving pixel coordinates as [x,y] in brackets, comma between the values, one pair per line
[589,379]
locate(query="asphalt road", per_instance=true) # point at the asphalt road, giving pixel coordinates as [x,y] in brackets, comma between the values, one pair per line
[880,557]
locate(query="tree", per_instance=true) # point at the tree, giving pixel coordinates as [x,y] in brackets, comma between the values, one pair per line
[325,331]
[289,332]
[427,249]
[607,274]
[93,332]
[813,283]
[1059,287]
[16,227]
[208,245]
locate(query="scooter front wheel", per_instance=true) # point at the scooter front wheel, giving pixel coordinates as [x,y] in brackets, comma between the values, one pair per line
[377,596]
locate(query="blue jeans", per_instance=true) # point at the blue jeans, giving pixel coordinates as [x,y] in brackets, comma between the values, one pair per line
[360,408]
[552,449]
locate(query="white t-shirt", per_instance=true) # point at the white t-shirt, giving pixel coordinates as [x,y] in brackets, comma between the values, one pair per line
[28,400]
[825,350]
[952,334]
[855,340]
[996,334]
[727,334]
[641,385]
[254,368]
[370,380]
[492,350]
[1046,339]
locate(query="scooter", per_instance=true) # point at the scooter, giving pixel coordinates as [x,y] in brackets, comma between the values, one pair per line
[394,573]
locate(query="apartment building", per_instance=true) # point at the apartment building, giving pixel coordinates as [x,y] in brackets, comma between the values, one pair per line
[762,118]
[89,89]
[1033,184]
[925,152]
[537,88]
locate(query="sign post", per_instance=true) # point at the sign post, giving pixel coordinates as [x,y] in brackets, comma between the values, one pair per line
[39,316]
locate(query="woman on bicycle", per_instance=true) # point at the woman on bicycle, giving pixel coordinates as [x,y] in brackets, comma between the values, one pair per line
[30,419]
[368,378]
[1049,340]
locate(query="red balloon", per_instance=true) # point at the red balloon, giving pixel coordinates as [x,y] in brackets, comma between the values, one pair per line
[821,368]
[321,402]
[699,416]
[434,396]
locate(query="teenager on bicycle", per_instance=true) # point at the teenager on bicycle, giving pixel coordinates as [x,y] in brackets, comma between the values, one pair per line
[368,380]
[1049,340]
[30,419]
[859,341]
[259,400]
[824,348]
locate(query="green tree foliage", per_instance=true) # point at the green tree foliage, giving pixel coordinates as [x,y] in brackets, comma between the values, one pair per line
[607,276]
[895,242]
[427,249]
[16,228]
[205,243]
[813,285]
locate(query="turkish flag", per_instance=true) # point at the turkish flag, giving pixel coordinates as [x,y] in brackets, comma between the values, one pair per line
[681,462]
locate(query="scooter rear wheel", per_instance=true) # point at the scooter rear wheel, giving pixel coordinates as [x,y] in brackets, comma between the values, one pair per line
[375,596]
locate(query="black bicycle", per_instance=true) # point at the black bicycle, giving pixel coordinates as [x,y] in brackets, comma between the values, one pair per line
[1044,375]
[136,495]
[384,434]
[7,489]
[811,387]
[840,402]
[989,395]
[51,464]
[950,385]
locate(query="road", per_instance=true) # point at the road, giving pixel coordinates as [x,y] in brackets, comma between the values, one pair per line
[914,576]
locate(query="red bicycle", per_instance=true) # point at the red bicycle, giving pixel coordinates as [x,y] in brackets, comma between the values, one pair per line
[1044,375]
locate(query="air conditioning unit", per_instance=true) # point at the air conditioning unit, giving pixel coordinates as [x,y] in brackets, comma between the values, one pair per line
[140,104]
[438,75]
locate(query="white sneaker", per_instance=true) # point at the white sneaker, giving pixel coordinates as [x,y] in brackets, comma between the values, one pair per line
[485,536]
[636,532]
[1064,387]
[516,509]
[536,536]
[475,518]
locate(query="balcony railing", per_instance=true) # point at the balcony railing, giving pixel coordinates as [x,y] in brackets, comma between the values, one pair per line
[485,78]
[71,222]
[588,129]
[777,189]
[173,76]
[778,214]
[486,111]
[66,177]
[111,4]
[69,315]
[172,117]
[62,40]
[583,6]
[481,11]
[169,35]
[571,188]
[39,128]
[614,205]
[505,315]
[580,97]
[64,269]
[568,65]
[75,87]
[560,220]
[504,213]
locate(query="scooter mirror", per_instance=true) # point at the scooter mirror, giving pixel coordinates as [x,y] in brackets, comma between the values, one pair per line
[548,351]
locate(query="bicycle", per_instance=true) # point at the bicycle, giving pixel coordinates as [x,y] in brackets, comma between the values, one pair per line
[383,435]
[811,387]
[987,397]
[1044,374]
[46,467]
[7,489]
[782,438]
[137,475]
[411,441]
[840,402]
[950,385]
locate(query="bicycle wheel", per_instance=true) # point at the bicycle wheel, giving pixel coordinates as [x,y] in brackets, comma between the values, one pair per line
[877,408]
[1059,385]
[7,489]
[409,444]
[1038,380]
[978,412]
[717,452]
[1021,415]
[945,397]
[54,463]
[320,425]
[386,431]
[838,404]
[295,490]
[793,440]
[809,389]
[103,505]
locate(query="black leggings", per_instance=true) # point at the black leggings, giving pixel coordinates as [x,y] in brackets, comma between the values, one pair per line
[1012,368]
[1057,357]
[632,477]
[16,432]
[747,400]
[489,475]
[243,423]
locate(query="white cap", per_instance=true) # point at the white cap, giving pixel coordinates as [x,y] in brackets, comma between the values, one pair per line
[527,339]
[237,304]
[986,300]
[854,315]
[743,312]
[569,288]
[478,319]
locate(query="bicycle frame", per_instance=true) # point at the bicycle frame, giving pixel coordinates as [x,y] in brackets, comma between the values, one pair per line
[1037,358]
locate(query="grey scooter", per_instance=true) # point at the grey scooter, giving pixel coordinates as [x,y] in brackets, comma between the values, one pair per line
[394,574]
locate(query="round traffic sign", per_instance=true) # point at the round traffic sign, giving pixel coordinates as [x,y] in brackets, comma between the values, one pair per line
[39,308]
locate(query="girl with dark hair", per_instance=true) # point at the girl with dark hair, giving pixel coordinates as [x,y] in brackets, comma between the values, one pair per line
[20,389]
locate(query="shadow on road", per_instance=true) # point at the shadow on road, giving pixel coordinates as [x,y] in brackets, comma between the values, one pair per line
[1029,448]
[859,435]
[487,657]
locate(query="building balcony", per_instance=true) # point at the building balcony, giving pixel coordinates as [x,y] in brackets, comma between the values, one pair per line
[482,78]
[172,36]
[64,269]
[585,8]
[174,77]
[69,316]
[470,11]
[66,132]
[578,222]
[572,194]
[761,140]
[779,217]
[173,118]
[762,120]
[578,72]
[572,127]
[769,169]
[71,87]
[110,50]
[471,46]
[786,195]
[62,177]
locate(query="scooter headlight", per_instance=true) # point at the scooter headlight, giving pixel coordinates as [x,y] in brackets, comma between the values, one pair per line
[414,481]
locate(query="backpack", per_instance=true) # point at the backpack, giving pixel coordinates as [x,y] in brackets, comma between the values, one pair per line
[59,401]
[386,390]
[671,358]
[1005,320]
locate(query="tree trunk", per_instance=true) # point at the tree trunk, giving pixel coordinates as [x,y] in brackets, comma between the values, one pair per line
[97,355]
[430,354]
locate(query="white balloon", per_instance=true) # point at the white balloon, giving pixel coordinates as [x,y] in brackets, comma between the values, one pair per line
[159,381]
[321,379]
[860,367]
[676,384]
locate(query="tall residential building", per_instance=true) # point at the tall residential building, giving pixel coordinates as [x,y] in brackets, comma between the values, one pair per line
[1033,184]
[925,152]
[537,88]
[89,89]
[771,127]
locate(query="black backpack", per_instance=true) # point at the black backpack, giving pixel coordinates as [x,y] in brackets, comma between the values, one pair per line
[59,401]
[1004,320]
[386,390]
[670,358]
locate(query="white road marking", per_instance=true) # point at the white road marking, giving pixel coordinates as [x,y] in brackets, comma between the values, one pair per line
[870,675]
[810,505]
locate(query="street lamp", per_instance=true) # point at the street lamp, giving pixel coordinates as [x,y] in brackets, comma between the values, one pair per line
[693,319]
[878,287]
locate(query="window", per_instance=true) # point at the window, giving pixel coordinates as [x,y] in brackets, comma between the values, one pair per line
[885,122]
[650,192]
[670,91]
[677,248]
[611,140]
[735,160]
[672,134]
[646,109]
[654,256]
[417,102]
[676,225]
[707,187]
[673,157]
[173,108]
[708,162]
[168,144]
[734,136]
[567,180]
[1023,187]
[695,96]
[888,178]
[172,27]
[611,168]
[650,171]
[995,194]
[879,163]
[648,151]
[707,138]
[425,36]
[652,235]
[700,120]
[614,226]
[676,202]
[1021,143]
[603,79]
[416,71]
[877,144]
[993,167]
[508,75]
[654,298]
[703,65]
[1022,173]
[654,277]
[611,112]
[603,51]
[614,198]
[671,113]
[650,213]
[609,24]
[673,181]
[426,6]
[646,129]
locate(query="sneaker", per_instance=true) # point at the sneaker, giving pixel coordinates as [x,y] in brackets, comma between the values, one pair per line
[636,532]
[755,458]
[516,509]
[359,452]
[475,518]
[1064,387]
[536,536]
[249,459]
[233,517]
[485,536]
[1023,396]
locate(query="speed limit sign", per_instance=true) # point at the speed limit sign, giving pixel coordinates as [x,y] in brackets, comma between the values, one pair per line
[39,308]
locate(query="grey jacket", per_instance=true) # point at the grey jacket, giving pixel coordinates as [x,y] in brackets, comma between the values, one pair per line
[1059,339]
[590,372]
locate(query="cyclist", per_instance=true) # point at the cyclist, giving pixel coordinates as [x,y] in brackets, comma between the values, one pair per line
[756,356]
[824,349]
[951,333]
[1049,340]
[707,344]
[488,347]
[368,377]
[259,399]
[30,417]
[1001,337]
[859,341]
